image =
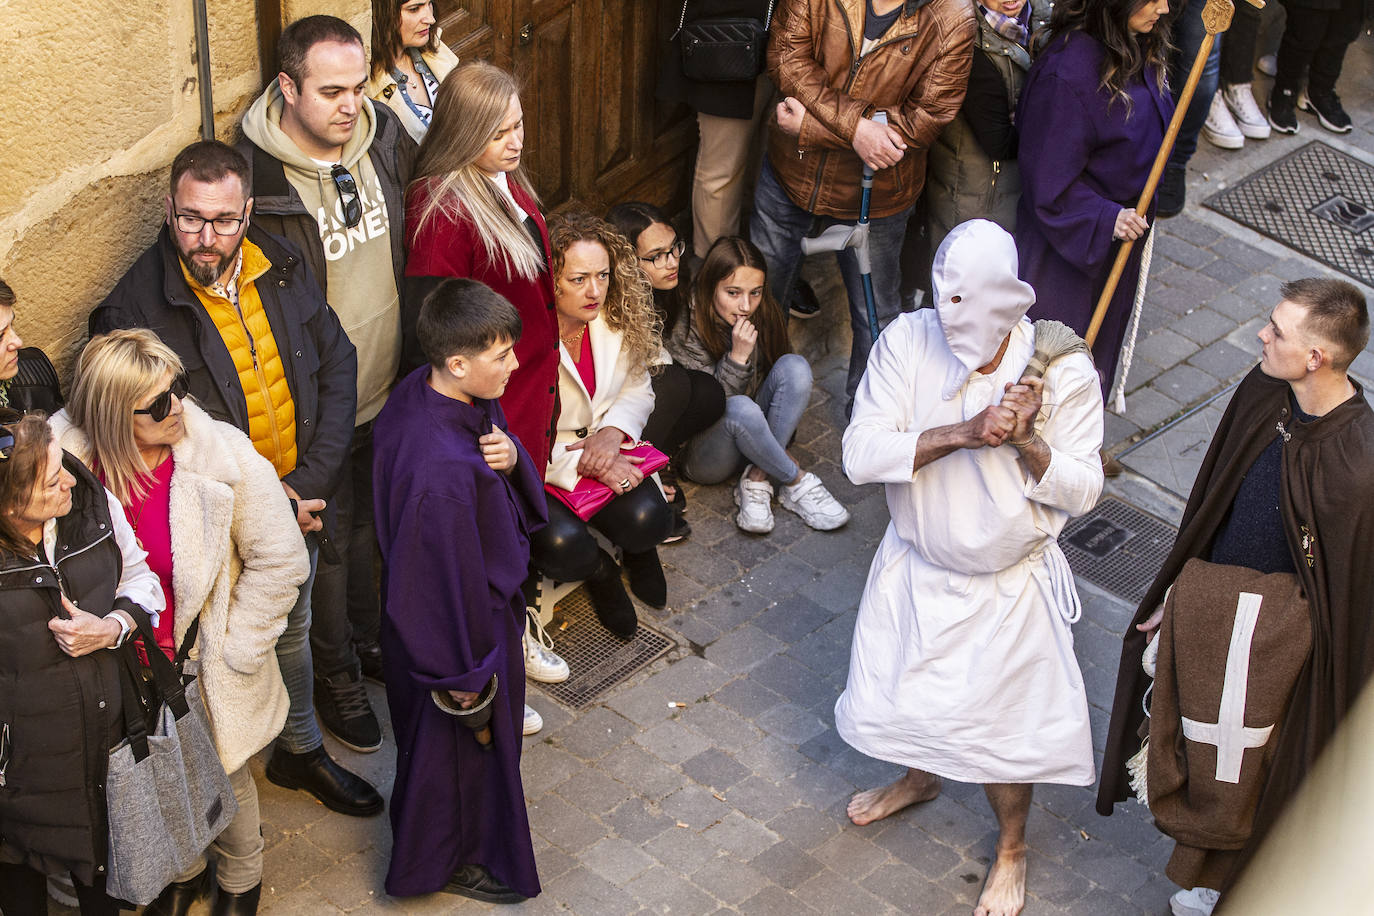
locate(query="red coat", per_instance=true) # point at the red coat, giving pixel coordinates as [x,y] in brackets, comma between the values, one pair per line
[445,248]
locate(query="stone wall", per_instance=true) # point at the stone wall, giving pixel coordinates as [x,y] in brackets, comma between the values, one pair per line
[91,128]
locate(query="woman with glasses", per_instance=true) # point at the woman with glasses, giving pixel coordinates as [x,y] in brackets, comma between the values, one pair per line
[73,583]
[226,550]
[409,61]
[686,401]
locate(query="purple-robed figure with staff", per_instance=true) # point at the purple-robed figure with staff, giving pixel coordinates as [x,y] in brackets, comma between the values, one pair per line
[456,500]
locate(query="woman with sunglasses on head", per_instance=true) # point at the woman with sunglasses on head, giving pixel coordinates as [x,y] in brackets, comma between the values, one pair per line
[409,61]
[228,554]
[686,401]
[73,583]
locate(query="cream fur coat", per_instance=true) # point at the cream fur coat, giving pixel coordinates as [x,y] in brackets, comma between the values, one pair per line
[238,560]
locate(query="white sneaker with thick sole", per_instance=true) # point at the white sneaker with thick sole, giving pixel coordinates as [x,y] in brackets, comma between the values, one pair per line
[1221,129]
[534,722]
[541,662]
[755,501]
[810,499]
[1200,901]
[1240,101]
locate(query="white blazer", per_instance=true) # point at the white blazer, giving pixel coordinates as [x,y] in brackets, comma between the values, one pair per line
[623,399]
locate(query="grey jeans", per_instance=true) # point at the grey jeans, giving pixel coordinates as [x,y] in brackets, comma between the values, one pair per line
[238,848]
[301,733]
[754,430]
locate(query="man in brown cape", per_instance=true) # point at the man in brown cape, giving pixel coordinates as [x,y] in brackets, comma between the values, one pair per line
[1287,485]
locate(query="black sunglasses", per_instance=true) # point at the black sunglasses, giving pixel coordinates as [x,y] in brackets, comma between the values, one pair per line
[348,195]
[7,417]
[162,404]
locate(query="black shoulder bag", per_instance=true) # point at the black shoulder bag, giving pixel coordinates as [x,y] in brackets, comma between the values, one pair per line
[724,49]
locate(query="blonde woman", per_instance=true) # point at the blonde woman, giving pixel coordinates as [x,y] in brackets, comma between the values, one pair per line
[608,338]
[224,543]
[471,212]
[409,61]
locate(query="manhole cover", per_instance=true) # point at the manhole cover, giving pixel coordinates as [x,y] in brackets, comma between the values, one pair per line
[1316,200]
[1117,547]
[1172,455]
[598,661]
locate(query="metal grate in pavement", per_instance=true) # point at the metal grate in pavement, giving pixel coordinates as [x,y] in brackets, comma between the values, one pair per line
[1316,200]
[1117,547]
[598,661]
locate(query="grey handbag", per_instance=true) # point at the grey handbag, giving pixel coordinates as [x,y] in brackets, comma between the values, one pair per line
[166,792]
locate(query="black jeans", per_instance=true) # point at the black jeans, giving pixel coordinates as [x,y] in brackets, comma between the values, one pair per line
[636,522]
[24,892]
[345,604]
[1238,46]
[686,401]
[1314,41]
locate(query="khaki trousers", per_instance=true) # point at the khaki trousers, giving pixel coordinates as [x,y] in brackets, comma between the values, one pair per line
[727,160]
[238,848]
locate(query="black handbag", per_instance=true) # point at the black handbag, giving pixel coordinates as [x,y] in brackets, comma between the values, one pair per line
[725,49]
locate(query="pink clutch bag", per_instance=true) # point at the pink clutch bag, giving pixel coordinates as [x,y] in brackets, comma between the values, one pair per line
[590,496]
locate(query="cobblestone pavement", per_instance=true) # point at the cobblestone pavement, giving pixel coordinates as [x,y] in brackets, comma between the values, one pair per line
[734,802]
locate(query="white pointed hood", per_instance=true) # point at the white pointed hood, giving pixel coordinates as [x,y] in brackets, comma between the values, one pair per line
[978,297]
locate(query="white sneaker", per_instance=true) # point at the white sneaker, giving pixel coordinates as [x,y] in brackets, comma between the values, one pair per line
[533,721]
[1221,129]
[810,499]
[541,663]
[1240,101]
[1200,901]
[755,501]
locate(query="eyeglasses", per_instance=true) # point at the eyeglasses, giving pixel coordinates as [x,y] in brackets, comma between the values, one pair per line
[162,404]
[225,225]
[7,417]
[673,251]
[348,195]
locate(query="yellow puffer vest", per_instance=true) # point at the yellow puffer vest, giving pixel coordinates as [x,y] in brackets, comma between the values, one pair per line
[248,336]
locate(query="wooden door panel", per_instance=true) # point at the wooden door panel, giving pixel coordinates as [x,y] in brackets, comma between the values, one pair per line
[544,63]
[471,29]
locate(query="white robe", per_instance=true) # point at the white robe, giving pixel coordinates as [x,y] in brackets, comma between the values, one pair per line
[962,663]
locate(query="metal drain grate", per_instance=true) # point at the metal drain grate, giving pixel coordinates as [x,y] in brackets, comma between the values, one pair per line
[597,659]
[1316,200]
[1117,547]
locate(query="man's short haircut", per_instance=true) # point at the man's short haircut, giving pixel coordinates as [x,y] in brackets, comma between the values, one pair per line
[210,161]
[463,317]
[1336,312]
[7,296]
[300,36]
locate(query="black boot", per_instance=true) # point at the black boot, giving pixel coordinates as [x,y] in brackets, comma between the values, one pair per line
[646,577]
[244,904]
[1173,192]
[315,772]
[613,606]
[476,882]
[177,897]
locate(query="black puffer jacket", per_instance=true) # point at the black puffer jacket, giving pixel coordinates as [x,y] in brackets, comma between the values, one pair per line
[59,715]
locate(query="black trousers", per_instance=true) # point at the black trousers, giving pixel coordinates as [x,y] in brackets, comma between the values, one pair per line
[1238,46]
[636,522]
[686,401]
[24,892]
[1314,42]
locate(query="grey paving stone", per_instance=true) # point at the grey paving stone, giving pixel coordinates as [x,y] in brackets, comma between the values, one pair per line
[1236,252]
[644,773]
[672,742]
[743,648]
[1202,326]
[729,880]
[1298,269]
[663,890]
[1237,308]
[680,849]
[594,734]
[570,829]
[635,821]
[1171,299]
[791,723]
[693,628]
[907,889]
[787,864]
[1227,273]
[1185,384]
[714,769]
[747,696]
[1262,288]
[1244,337]
[778,576]
[832,892]
[695,806]
[726,729]
[805,826]
[585,892]
[618,861]
[1164,348]
[1147,408]
[1182,252]
[740,836]
[593,791]
[774,901]
[1190,230]
[1117,429]
[1223,361]
[1141,372]
[689,679]
[1200,284]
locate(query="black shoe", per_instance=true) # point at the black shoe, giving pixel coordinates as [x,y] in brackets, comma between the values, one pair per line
[612,605]
[341,702]
[646,577]
[803,303]
[668,476]
[1327,107]
[476,882]
[177,897]
[370,657]
[317,773]
[244,904]
[1283,111]
[680,530]
[1173,192]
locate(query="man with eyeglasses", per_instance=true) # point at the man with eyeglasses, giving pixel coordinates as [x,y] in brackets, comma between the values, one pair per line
[329,173]
[265,352]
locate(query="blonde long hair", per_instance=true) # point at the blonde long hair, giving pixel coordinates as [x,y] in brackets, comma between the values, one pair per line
[629,306]
[113,373]
[468,110]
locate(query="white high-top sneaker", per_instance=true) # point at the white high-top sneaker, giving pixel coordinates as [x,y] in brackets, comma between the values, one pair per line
[1240,101]
[1221,129]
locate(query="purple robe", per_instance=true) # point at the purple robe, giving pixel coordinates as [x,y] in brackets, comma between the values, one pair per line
[1083,160]
[454,536]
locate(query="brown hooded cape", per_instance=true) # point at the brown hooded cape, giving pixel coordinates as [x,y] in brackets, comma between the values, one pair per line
[1327,504]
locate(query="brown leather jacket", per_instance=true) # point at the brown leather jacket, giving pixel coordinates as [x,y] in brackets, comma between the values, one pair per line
[917,73]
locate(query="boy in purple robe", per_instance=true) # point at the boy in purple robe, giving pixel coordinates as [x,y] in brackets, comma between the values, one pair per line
[456,500]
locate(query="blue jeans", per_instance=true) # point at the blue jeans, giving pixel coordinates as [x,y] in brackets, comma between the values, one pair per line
[301,733]
[777,227]
[755,429]
[1188,35]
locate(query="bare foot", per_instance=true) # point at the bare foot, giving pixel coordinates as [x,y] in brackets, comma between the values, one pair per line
[914,787]
[1004,892]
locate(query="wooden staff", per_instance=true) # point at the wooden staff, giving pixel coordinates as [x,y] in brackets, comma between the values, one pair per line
[1216,18]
